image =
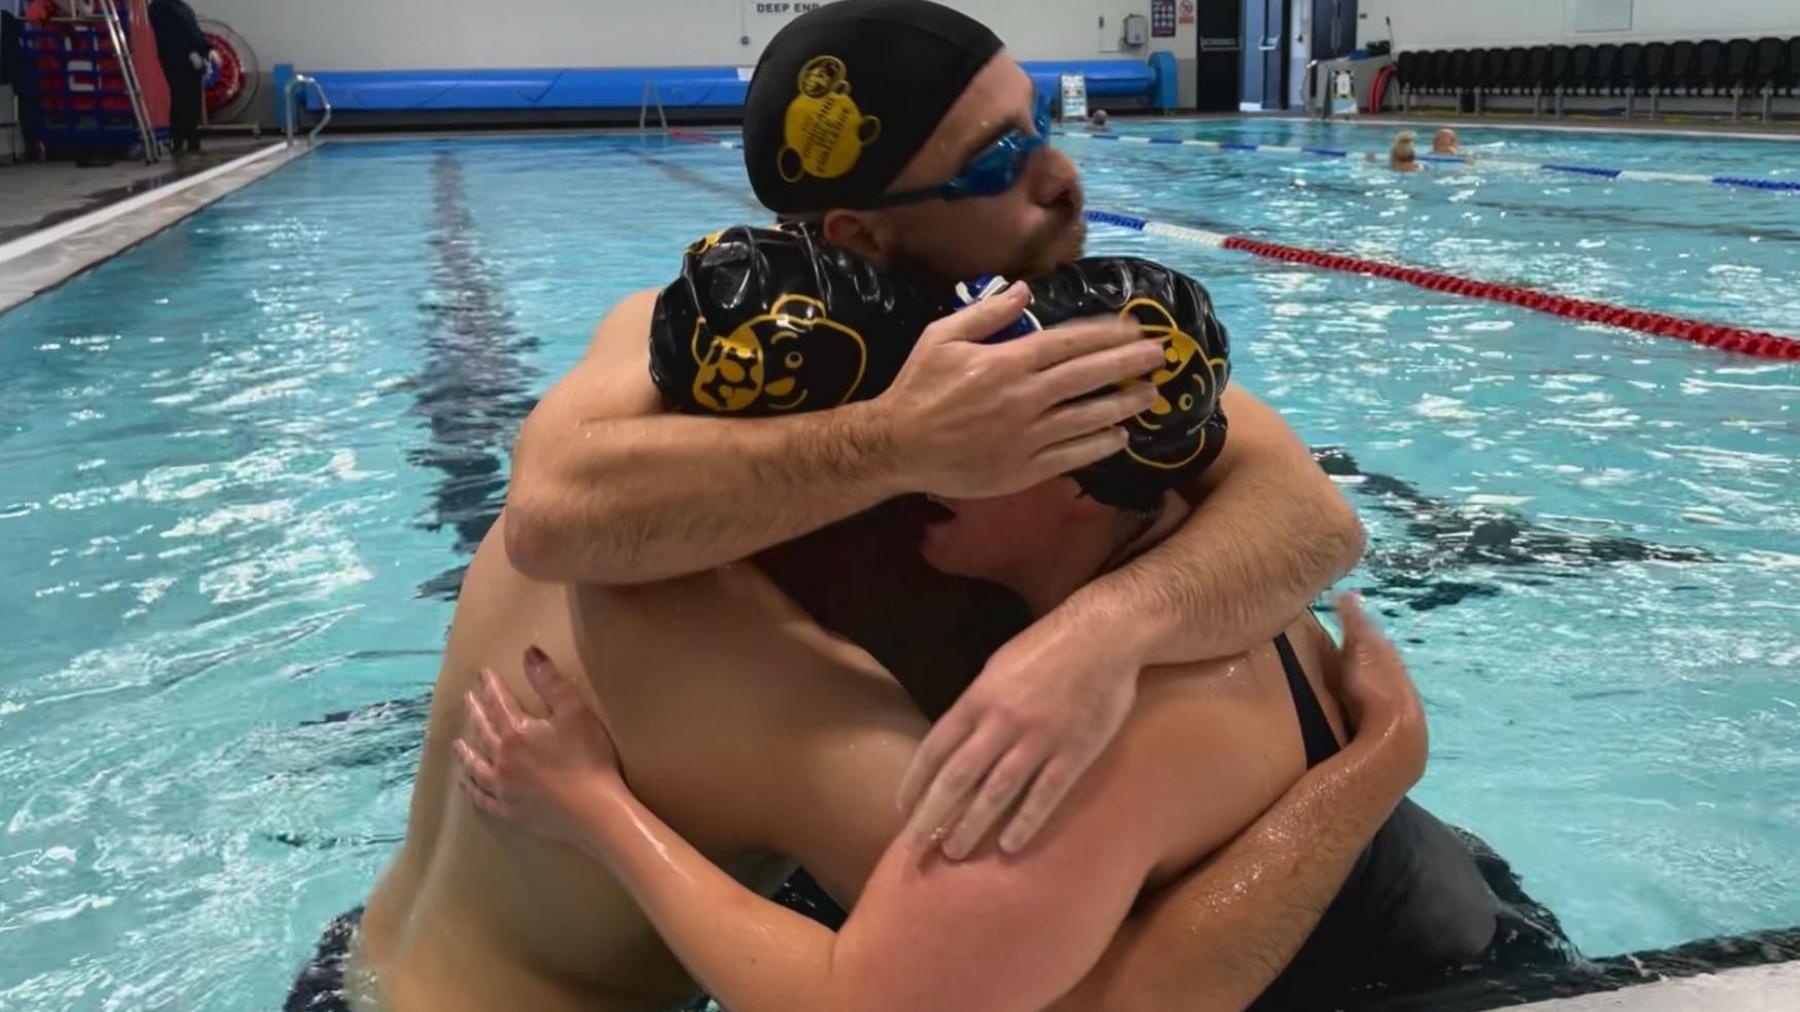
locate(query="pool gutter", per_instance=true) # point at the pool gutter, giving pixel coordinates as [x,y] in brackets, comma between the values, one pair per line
[50,256]
[1746,989]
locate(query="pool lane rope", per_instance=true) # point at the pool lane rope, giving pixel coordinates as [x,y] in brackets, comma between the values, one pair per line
[1760,344]
[1641,175]
[1712,335]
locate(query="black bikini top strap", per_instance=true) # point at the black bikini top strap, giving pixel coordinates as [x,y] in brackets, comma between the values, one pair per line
[1315,730]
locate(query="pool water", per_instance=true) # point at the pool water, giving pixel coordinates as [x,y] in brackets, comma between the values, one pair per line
[246,461]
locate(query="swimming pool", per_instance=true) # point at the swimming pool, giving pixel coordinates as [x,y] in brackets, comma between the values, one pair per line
[247,460]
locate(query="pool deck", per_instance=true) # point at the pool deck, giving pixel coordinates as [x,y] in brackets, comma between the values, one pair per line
[61,220]
[1774,988]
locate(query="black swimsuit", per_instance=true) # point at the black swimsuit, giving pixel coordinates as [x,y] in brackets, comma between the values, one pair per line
[1419,908]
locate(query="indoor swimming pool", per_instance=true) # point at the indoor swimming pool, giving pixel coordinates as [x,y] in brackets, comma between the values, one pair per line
[247,460]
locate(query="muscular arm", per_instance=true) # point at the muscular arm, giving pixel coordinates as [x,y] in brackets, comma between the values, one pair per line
[607,489]
[1269,532]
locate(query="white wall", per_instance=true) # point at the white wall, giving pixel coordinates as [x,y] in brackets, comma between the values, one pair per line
[1438,24]
[460,34]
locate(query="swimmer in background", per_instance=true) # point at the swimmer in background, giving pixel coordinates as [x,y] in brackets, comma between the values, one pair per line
[1403,156]
[1445,142]
[1097,121]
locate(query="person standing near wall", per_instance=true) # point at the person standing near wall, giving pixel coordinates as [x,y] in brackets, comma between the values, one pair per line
[184,53]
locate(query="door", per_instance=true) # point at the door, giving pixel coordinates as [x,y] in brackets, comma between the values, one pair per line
[1272,50]
[1333,28]
[1219,71]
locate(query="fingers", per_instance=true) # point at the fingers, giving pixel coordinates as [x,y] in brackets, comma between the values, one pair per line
[501,708]
[982,319]
[1073,454]
[476,767]
[962,772]
[477,779]
[1096,414]
[552,686]
[1073,340]
[1099,369]
[485,734]
[943,739]
[1047,792]
[1351,618]
[996,797]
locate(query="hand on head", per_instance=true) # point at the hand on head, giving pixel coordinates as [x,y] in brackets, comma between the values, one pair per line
[979,420]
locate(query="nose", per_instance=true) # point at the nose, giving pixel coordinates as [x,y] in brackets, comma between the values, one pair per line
[1053,178]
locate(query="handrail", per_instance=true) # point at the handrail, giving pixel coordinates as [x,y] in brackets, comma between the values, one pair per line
[287,103]
[651,91]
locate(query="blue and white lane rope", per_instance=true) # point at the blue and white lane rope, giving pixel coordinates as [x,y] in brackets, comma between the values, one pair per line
[1640,175]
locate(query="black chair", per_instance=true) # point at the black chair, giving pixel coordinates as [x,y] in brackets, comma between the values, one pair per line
[1493,71]
[1739,73]
[1555,74]
[1518,60]
[1653,73]
[1605,77]
[1767,57]
[1436,70]
[1680,71]
[1788,78]
[1403,64]
[1537,69]
[1709,68]
[1456,71]
[1579,73]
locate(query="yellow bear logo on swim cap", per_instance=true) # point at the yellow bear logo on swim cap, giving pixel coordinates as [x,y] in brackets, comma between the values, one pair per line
[1187,375]
[777,360]
[824,131]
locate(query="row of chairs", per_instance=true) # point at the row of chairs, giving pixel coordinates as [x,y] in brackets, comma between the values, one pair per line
[1768,67]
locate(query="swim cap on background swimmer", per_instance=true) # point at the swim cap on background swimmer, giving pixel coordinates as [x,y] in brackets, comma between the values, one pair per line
[770,321]
[845,95]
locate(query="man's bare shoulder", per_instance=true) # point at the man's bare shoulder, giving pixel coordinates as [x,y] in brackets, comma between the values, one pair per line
[628,321]
[732,633]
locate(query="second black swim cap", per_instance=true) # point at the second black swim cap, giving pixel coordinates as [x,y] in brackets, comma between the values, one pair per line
[846,95]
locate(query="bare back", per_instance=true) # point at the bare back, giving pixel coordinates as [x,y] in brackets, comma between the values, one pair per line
[479,915]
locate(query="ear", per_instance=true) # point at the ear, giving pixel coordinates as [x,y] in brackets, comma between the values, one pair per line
[860,233]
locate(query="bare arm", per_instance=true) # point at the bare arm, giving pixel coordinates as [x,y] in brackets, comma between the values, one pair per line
[608,489]
[1269,533]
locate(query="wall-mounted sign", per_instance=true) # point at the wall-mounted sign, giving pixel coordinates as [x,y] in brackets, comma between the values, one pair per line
[1162,18]
[1187,12]
[780,10]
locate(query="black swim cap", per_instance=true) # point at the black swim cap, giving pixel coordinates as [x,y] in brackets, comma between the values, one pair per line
[770,321]
[846,95]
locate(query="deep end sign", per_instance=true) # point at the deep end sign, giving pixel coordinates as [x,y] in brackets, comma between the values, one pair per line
[784,10]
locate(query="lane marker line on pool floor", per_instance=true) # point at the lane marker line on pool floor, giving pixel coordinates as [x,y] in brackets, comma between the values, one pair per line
[1740,340]
[1743,341]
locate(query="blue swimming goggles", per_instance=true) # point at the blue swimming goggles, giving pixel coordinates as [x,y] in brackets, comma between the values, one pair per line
[989,173]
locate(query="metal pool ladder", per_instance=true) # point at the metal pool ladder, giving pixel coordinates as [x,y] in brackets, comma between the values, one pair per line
[287,104]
